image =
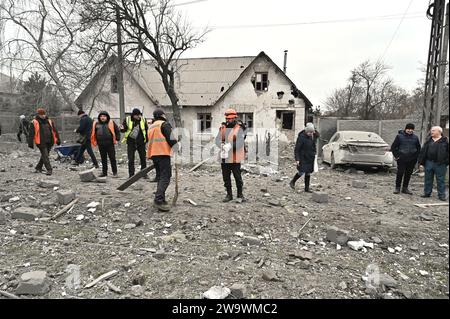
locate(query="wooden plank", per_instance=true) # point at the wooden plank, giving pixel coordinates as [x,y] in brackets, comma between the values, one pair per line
[65,208]
[133,179]
[102,277]
[8,295]
[431,205]
[199,164]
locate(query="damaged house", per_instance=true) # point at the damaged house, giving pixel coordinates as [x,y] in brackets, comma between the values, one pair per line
[255,86]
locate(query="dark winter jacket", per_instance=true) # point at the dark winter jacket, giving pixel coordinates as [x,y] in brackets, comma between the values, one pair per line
[442,151]
[102,132]
[140,138]
[45,132]
[166,130]
[85,129]
[305,152]
[406,147]
[23,126]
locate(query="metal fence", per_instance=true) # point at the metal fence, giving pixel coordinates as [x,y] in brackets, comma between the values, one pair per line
[65,125]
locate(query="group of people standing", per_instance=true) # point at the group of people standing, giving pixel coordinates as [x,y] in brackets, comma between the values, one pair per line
[433,158]
[155,141]
[104,133]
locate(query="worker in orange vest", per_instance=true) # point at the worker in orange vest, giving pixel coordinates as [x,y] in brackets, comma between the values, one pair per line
[105,133]
[43,133]
[160,143]
[231,140]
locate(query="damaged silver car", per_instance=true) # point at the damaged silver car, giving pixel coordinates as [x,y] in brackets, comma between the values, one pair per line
[357,148]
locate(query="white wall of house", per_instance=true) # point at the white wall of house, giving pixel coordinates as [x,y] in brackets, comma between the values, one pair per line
[245,99]
[106,100]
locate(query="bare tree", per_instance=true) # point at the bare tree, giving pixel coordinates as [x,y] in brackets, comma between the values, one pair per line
[49,40]
[152,30]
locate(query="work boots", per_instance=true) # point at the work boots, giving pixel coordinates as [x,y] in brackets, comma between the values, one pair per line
[162,206]
[307,182]
[292,182]
[397,190]
[240,195]
[406,191]
[229,196]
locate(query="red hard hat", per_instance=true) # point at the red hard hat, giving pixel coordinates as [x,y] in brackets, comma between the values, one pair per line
[230,114]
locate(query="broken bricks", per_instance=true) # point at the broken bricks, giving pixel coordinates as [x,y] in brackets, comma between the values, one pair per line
[320,197]
[48,183]
[26,213]
[33,283]
[87,176]
[65,196]
[338,236]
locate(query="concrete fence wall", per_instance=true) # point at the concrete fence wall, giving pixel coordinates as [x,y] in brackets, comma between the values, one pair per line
[387,129]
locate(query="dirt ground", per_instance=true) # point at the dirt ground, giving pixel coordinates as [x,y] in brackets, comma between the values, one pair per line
[207,248]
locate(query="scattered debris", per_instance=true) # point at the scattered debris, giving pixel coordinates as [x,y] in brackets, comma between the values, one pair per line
[270,275]
[26,213]
[87,176]
[320,197]
[102,277]
[338,236]
[33,283]
[217,292]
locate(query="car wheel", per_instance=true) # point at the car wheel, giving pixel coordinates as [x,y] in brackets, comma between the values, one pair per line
[332,162]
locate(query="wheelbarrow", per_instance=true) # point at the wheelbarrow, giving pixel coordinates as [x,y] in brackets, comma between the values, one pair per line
[67,152]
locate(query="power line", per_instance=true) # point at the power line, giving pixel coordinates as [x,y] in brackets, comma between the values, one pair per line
[386,17]
[395,33]
[186,3]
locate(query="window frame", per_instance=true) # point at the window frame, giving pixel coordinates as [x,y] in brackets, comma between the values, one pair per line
[243,117]
[114,84]
[262,88]
[204,121]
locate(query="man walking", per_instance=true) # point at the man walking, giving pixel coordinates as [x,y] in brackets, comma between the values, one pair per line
[135,128]
[434,156]
[43,133]
[105,133]
[85,131]
[406,150]
[23,128]
[159,150]
[231,140]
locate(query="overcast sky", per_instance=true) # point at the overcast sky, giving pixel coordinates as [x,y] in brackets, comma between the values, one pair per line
[320,55]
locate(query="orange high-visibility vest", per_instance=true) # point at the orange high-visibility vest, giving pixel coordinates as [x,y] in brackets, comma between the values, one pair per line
[238,154]
[94,137]
[37,132]
[157,144]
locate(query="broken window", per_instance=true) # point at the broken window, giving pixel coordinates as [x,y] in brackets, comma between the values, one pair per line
[287,119]
[204,122]
[114,84]
[247,119]
[261,81]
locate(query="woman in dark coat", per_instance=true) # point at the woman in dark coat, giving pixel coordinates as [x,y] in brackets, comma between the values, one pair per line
[305,153]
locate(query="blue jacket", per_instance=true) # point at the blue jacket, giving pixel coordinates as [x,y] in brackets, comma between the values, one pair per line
[406,147]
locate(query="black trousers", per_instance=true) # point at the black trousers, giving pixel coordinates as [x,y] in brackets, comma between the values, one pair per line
[163,169]
[227,169]
[131,149]
[404,172]
[86,147]
[44,160]
[105,152]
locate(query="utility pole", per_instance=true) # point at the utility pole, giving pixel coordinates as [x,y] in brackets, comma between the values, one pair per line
[120,68]
[437,57]
[441,72]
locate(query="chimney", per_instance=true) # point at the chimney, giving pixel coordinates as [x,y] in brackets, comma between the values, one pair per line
[285,60]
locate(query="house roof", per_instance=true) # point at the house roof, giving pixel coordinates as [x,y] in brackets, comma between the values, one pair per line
[198,81]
